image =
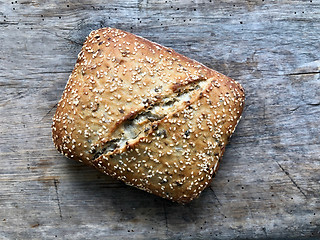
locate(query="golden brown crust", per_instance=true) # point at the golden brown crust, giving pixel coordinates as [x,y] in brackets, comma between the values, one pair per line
[146,115]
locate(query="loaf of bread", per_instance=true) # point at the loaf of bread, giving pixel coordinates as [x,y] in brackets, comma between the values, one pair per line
[146,115]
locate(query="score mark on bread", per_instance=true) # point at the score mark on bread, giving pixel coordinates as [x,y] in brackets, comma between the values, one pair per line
[146,115]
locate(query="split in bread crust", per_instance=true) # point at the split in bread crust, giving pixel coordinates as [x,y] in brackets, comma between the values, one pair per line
[146,115]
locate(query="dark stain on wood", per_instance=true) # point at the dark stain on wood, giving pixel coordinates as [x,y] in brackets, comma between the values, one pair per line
[35,225]
[48,181]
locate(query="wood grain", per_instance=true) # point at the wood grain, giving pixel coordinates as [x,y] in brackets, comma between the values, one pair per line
[268,185]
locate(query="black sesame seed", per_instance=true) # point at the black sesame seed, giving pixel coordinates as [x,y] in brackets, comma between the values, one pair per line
[187,133]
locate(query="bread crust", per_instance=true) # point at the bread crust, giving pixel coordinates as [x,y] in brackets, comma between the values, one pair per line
[146,115]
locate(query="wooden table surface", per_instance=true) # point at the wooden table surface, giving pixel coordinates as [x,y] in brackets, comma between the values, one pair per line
[268,184]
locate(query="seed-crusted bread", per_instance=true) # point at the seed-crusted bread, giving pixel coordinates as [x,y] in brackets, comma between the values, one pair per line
[146,115]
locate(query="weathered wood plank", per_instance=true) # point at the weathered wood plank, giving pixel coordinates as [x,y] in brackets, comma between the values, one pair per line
[268,185]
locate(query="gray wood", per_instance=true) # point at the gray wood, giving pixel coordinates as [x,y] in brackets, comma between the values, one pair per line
[268,185]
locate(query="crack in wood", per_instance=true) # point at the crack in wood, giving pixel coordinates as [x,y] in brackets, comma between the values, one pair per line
[53,72]
[70,40]
[48,112]
[215,196]
[294,183]
[303,73]
[65,38]
[220,204]
[308,104]
[294,109]
[166,217]
[264,231]
[12,150]
[9,23]
[313,104]
[55,181]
